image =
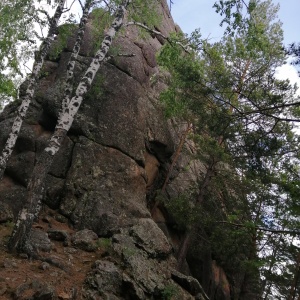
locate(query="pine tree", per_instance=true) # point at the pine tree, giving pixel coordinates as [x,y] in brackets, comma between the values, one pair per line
[242,118]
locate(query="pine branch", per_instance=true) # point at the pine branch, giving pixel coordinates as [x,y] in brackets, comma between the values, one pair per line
[279,231]
[186,48]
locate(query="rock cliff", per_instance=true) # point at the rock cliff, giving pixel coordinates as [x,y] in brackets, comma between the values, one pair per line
[96,232]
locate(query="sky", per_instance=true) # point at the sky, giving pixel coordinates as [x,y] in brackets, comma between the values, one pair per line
[192,14]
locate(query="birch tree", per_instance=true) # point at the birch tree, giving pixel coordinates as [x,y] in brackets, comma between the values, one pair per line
[22,110]
[16,43]
[26,217]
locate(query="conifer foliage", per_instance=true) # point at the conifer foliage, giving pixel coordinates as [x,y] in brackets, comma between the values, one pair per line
[243,121]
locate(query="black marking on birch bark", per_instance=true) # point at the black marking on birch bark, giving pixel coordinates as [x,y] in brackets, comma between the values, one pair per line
[21,113]
[73,58]
[23,225]
[50,151]
[89,75]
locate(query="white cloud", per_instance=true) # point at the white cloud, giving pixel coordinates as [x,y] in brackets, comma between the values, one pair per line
[288,71]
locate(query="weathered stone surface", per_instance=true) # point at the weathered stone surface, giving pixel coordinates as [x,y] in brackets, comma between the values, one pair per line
[104,280]
[138,264]
[58,235]
[85,240]
[35,290]
[20,167]
[9,263]
[150,238]
[151,168]
[6,214]
[189,283]
[26,138]
[3,288]
[105,192]
[12,194]
[146,277]
[39,240]
[54,190]
[221,284]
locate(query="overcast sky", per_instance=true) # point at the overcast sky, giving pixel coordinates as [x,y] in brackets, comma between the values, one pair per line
[191,14]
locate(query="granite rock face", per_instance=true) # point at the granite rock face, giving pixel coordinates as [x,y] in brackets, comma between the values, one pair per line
[113,158]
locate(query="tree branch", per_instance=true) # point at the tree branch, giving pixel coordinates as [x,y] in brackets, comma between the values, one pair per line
[292,232]
[186,48]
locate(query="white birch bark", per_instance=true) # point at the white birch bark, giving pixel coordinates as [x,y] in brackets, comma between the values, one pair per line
[73,58]
[68,115]
[26,217]
[22,110]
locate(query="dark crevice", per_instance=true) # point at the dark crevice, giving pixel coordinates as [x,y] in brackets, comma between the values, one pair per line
[139,162]
[120,69]
[55,176]
[15,179]
[159,150]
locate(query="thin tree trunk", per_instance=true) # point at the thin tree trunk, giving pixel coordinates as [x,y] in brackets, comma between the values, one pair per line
[18,240]
[176,155]
[292,294]
[207,179]
[22,110]
[184,247]
[250,288]
[210,172]
[264,287]
[74,55]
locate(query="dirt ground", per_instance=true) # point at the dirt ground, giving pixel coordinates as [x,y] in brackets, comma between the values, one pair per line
[21,277]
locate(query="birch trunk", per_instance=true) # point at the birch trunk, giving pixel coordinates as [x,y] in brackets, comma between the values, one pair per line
[74,55]
[22,110]
[18,240]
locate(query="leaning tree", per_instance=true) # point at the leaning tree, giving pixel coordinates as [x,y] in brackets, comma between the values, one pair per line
[125,13]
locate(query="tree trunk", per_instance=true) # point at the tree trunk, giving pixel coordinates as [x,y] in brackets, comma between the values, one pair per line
[189,234]
[292,294]
[73,58]
[176,155]
[21,113]
[251,288]
[30,212]
[184,247]
[18,241]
